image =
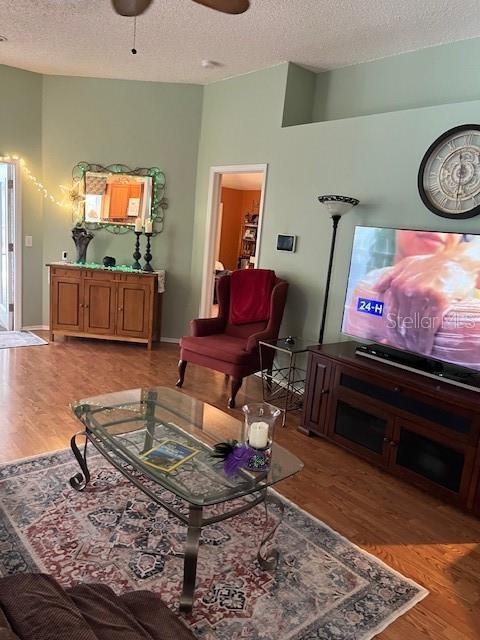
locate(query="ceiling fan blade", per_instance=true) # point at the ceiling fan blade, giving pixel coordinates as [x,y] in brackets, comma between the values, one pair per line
[226,6]
[131,8]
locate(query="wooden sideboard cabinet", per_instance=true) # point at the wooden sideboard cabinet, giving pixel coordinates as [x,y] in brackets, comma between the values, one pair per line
[110,305]
[420,429]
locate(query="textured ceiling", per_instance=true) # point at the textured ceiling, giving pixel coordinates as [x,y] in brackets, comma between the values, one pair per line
[85,37]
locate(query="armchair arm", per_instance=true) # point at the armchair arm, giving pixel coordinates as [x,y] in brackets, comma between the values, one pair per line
[255,338]
[277,306]
[207,326]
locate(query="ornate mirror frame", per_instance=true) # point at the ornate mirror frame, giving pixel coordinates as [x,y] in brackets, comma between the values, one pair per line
[159,202]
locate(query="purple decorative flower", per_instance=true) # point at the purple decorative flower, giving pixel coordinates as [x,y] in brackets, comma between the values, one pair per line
[238,458]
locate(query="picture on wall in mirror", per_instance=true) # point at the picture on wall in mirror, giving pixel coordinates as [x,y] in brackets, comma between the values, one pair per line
[117,198]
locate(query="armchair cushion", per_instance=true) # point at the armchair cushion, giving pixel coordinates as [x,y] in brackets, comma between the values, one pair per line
[219,347]
[36,607]
[6,632]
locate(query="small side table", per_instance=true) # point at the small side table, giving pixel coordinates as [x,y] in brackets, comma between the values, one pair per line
[283,373]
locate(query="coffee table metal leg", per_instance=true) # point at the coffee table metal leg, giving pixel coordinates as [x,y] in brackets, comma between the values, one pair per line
[80,480]
[268,556]
[190,559]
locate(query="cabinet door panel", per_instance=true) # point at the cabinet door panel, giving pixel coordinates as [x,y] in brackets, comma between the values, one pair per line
[361,427]
[133,313]
[316,400]
[66,309]
[432,462]
[99,302]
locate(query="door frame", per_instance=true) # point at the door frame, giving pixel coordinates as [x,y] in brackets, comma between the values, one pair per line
[15,174]
[211,226]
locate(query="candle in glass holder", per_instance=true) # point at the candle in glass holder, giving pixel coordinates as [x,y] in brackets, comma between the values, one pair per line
[148,225]
[138,225]
[258,435]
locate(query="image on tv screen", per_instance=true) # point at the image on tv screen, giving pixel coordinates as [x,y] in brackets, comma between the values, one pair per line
[417,291]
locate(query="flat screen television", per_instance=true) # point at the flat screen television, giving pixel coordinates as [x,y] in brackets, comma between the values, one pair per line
[417,293]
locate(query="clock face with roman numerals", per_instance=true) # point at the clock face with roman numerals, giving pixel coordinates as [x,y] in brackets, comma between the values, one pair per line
[449,175]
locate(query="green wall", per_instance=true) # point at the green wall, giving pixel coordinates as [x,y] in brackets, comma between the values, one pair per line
[257,118]
[300,96]
[138,124]
[374,158]
[21,133]
[432,76]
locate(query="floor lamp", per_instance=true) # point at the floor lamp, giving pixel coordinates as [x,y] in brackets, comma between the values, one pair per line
[336,207]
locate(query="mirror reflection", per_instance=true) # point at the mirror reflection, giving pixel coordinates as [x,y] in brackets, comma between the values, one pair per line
[117,198]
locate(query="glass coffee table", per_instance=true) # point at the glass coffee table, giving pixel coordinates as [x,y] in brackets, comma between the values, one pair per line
[125,425]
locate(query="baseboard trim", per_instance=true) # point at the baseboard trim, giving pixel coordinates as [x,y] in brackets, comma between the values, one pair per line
[45,327]
[36,327]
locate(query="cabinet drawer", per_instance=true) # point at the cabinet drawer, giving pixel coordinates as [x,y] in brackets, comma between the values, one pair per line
[64,272]
[137,278]
[98,276]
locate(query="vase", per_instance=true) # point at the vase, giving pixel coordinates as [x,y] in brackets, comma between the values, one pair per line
[81,238]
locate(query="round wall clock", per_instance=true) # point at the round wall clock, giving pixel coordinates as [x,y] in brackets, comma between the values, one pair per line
[449,174]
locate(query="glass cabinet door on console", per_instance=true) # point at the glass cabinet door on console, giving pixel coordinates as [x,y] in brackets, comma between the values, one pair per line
[449,419]
[361,427]
[431,461]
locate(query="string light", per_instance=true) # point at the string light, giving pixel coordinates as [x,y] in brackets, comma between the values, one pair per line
[36,182]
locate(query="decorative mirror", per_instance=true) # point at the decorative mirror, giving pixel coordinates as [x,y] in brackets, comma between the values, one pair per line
[114,197]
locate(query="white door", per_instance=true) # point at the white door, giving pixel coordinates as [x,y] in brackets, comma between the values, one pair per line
[7,231]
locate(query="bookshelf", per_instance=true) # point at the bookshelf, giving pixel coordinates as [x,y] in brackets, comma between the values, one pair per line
[248,242]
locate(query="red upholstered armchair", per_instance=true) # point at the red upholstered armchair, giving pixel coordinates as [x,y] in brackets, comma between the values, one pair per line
[232,347]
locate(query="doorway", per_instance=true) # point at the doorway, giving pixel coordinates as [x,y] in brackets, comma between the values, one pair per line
[233,227]
[10,318]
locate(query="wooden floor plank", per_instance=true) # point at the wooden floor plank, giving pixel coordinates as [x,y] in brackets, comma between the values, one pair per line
[419,536]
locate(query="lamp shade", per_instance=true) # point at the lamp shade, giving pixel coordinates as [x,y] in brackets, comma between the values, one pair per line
[338,205]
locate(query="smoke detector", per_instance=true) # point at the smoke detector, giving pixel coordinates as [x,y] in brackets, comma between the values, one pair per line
[210,64]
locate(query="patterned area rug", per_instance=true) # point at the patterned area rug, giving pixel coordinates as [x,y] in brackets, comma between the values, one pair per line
[324,588]
[10,339]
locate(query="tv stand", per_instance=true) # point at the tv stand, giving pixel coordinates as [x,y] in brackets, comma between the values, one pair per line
[430,367]
[417,427]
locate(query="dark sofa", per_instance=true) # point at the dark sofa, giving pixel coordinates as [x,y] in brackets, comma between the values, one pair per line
[34,606]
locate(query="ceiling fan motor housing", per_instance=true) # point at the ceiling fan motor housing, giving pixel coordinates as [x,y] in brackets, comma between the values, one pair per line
[132,8]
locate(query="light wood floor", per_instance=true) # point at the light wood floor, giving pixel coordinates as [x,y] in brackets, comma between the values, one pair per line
[424,539]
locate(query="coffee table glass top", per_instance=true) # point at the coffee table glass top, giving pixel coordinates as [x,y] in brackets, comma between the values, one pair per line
[127,424]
